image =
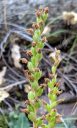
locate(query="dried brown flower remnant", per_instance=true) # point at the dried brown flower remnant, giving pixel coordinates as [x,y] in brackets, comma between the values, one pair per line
[30,31]
[70,17]
[58,118]
[46,10]
[55,56]
[35,26]
[28,52]
[44,39]
[25,110]
[38,13]
[24,60]
[33,43]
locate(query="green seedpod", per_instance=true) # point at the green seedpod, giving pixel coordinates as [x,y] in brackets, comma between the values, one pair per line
[45,126]
[34,61]
[53,113]
[52,83]
[44,17]
[39,122]
[53,104]
[51,119]
[34,85]
[32,116]
[36,36]
[37,32]
[48,107]
[30,108]
[34,52]
[30,66]
[37,105]
[51,124]
[31,95]
[55,89]
[52,97]
[39,56]
[38,19]
[53,69]
[39,91]
[40,45]
[37,75]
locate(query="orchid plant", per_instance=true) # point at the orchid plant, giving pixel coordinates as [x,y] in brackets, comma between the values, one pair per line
[34,74]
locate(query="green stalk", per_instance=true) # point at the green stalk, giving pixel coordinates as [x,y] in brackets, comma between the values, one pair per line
[33,67]
[34,74]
